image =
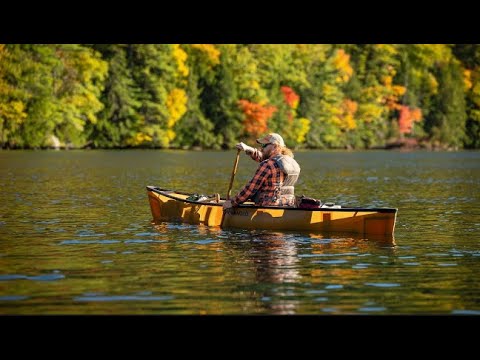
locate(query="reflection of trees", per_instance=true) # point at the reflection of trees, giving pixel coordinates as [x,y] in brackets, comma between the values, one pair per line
[215,271]
[348,240]
[277,274]
[344,247]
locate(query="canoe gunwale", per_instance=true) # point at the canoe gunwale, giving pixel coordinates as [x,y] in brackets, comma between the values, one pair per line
[168,193]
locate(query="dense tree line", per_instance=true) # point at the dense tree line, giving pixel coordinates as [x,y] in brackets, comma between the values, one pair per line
[212,96]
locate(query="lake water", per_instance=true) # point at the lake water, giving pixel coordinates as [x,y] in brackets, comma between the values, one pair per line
[76,237]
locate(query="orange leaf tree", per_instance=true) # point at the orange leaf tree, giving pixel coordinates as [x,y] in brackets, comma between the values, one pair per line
[406,119]
[256,118]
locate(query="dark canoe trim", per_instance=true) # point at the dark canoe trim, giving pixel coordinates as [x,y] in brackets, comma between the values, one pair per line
[168,193]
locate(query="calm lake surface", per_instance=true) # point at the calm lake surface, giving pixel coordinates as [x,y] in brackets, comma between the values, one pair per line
[76,237]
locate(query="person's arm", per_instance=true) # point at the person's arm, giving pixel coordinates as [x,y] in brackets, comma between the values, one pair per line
[255,154]
[253,186]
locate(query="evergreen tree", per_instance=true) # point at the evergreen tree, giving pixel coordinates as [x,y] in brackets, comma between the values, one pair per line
[446,122]
[195,129]
[120,119]
[469,55]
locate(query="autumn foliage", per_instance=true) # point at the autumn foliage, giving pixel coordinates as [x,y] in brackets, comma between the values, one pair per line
[407,117]
[291,98]
[177,107]
[212,95]
[210,51]
[393,93]
[256,118]
[347,117]
[180,57]
[341,62]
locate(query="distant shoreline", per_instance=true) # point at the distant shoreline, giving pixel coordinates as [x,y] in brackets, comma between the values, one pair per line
[399,146]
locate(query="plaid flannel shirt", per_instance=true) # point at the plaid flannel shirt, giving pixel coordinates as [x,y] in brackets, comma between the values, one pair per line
[266,181]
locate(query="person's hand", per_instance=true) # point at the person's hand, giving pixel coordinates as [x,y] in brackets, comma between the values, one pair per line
[227,204]
[244,147]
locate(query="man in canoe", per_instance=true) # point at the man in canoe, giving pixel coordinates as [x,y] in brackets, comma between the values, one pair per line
[274,180]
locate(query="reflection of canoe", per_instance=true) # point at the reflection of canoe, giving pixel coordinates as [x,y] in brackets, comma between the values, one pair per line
[168,205]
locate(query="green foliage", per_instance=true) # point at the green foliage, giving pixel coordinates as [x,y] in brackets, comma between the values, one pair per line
[469,56]
[154,72]
[57,87]
[446,122]
[219,99]
[279,64]
[120,119]
[13,97]
[82,74]
[195,129]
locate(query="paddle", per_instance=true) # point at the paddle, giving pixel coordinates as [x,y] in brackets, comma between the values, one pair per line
[234,171]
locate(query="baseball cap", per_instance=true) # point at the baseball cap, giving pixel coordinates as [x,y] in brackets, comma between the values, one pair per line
[272,138]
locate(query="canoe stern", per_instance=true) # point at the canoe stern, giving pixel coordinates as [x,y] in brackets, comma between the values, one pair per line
[164,208]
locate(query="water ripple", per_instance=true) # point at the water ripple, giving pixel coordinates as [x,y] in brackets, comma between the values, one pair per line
[139,241]
[13,297]
[334,286]
[43,277]
[330,262]
[81,242]
[372,309]
[466,312]
[326,255]
[123,298]
[382,285]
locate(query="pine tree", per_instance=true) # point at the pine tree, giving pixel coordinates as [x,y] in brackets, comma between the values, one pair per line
[446,123]
[120,119]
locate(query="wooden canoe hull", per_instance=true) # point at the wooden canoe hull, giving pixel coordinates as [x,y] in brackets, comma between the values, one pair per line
[168,205]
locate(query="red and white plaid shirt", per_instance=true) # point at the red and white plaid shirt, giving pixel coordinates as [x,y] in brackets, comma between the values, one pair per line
[266,182]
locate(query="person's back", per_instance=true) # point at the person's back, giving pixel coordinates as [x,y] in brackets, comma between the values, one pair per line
[275,178]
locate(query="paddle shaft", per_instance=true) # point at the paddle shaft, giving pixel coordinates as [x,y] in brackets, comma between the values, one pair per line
[234,171]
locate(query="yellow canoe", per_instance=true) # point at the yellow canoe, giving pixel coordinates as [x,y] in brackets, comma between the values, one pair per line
[169,205]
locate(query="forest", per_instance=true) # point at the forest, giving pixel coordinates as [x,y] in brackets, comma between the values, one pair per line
[211,96]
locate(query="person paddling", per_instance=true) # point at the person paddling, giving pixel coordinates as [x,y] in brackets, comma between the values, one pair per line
[274,180]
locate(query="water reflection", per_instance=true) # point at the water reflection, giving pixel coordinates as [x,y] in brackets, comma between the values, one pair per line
[336,262]
[284,264]
[275,261]
[103,244]
[338,241]
[266,272]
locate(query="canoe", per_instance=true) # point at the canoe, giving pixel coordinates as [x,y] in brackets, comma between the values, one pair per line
[169,205]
